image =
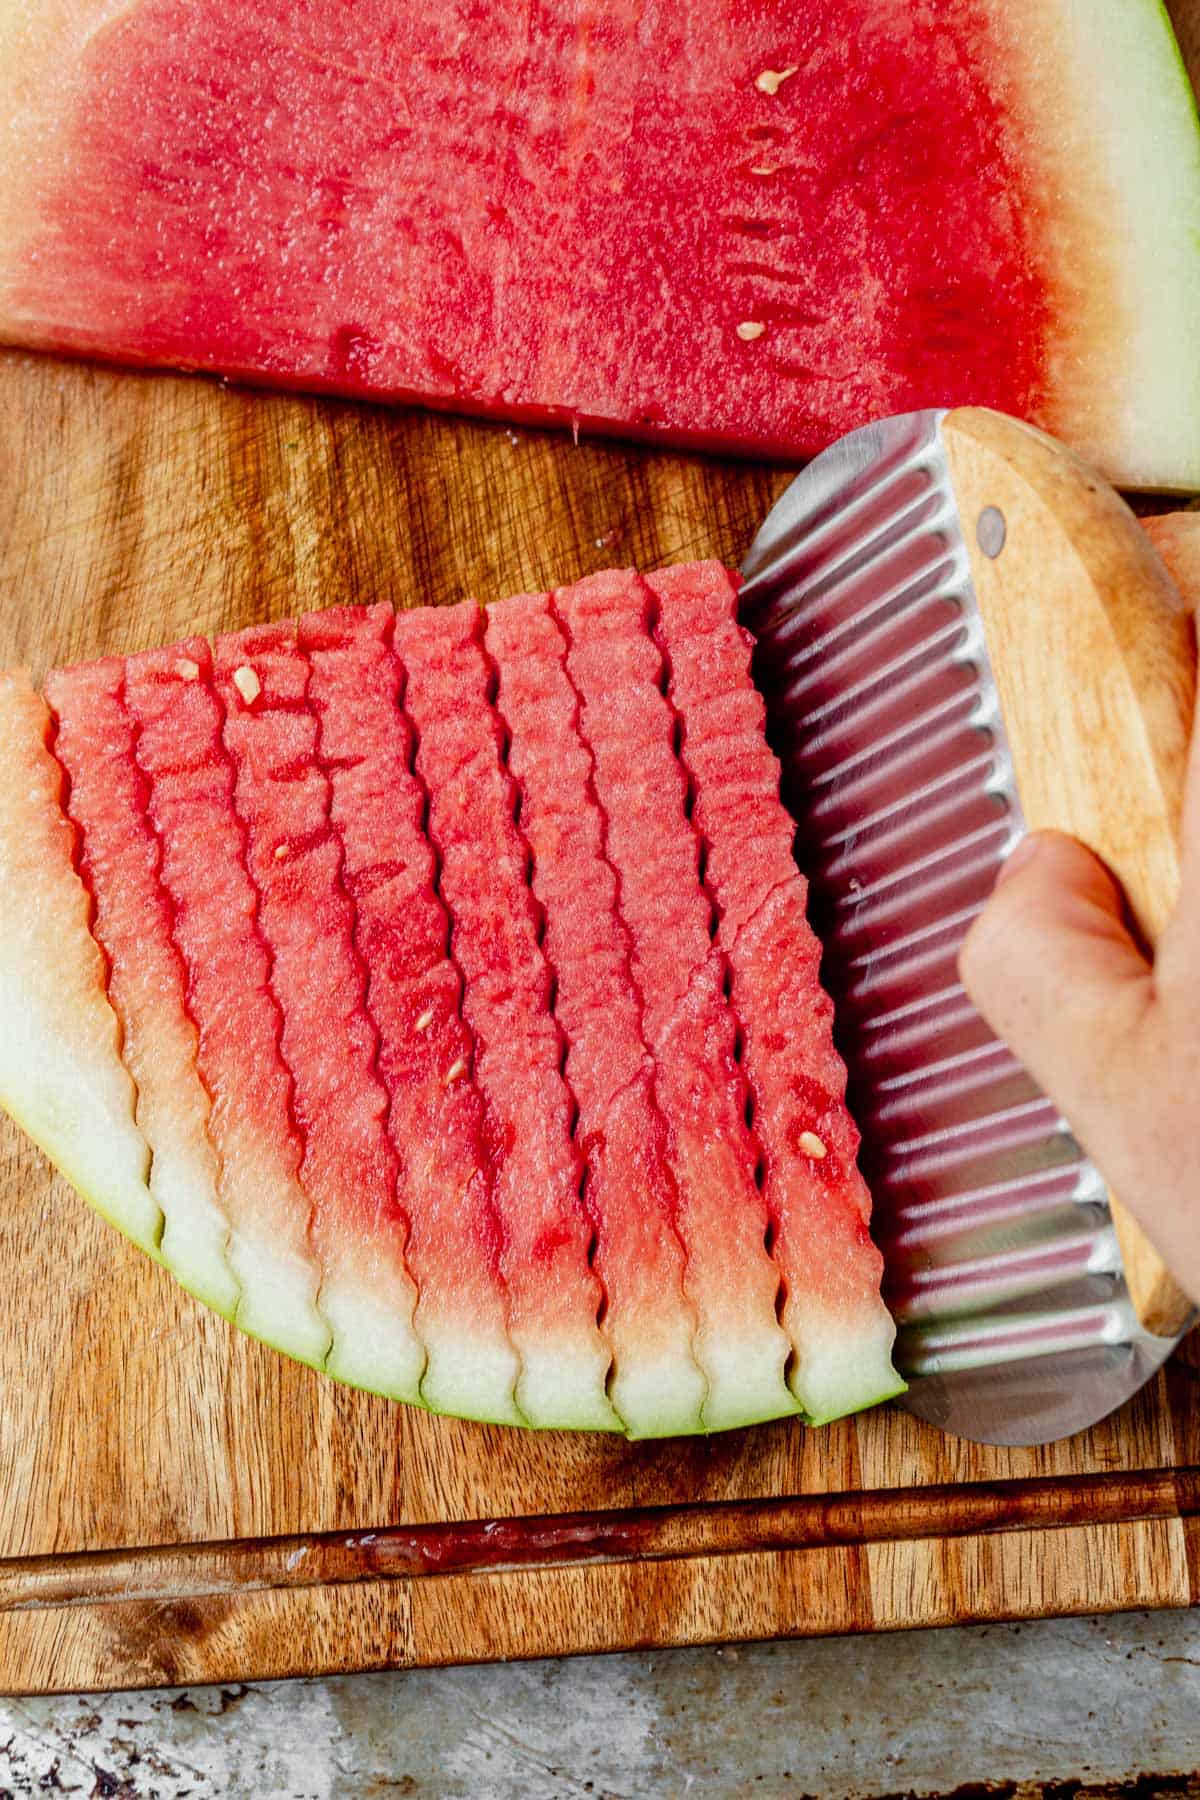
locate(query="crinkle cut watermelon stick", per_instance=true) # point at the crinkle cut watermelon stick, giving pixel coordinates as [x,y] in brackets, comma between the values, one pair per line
[630,1193]
[616,668]
[328,1042]
[413,998]
[215,906]
[839,1327]
[554,1297]
[119,859]
[61,1074]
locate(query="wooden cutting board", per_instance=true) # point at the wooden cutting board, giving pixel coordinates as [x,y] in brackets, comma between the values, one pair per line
[179,1504]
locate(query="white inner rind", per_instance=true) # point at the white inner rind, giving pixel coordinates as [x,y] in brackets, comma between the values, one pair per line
[469,1376]
[659,1394]
[561,1386]
[843,1364]
[1103,119]
[745,1377]
[278,1296]
[374,1345]
[196,1231]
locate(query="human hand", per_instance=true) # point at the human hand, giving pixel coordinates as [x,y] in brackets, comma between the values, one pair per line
[1111,1037]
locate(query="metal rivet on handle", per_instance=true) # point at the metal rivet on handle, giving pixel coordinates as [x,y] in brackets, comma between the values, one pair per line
[990,531]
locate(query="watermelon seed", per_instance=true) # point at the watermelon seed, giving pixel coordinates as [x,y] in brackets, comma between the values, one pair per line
[749,329]
[812,1145]
[425,1020]
[762,168]
[769,81]
[247,683]
[187,670]
[281,851]
[458,1069]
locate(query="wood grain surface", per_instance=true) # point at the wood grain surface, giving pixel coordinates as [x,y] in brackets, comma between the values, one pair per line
[1093,651]
[178,1503]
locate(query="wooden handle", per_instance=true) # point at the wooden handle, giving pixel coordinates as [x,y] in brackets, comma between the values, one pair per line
[1094,657]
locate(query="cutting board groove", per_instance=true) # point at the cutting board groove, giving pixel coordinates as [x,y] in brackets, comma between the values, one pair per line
[178,1503]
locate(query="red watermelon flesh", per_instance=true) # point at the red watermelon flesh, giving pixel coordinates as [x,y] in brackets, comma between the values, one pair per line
[818,1201]
[120,858]
[630,1193]
[732,225]
[328,1041]
[688,1023]
[215,904]
[413,996]
[554,1296]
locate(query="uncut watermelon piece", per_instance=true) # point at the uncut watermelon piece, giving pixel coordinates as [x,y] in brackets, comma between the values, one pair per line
[840,1330]
[328,1041]
[61,1074]
[724,225]
[630,1193]
[688,1024]
[554,1297]
[413,997]
[189,803]
[119,859]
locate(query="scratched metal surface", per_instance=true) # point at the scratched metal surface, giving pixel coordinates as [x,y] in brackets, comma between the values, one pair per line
[1071,1709]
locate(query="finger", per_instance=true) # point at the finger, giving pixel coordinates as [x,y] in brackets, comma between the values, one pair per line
[1052,968]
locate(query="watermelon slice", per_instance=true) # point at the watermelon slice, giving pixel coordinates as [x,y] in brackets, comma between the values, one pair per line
[731,226]
[533,1163]
[214,906]
[434,996]
[689,1026]
[328,1041]
[841,1332]
[120,859]
[630,1193]
[61,1074]
[414,998]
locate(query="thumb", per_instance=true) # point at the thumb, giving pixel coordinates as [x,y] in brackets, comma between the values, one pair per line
[1053,969]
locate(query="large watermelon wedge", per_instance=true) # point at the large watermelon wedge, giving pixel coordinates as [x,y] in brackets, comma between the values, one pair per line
[420,990]
[745,225]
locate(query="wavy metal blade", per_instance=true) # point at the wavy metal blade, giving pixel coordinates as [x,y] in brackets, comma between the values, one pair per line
[1003,1271]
